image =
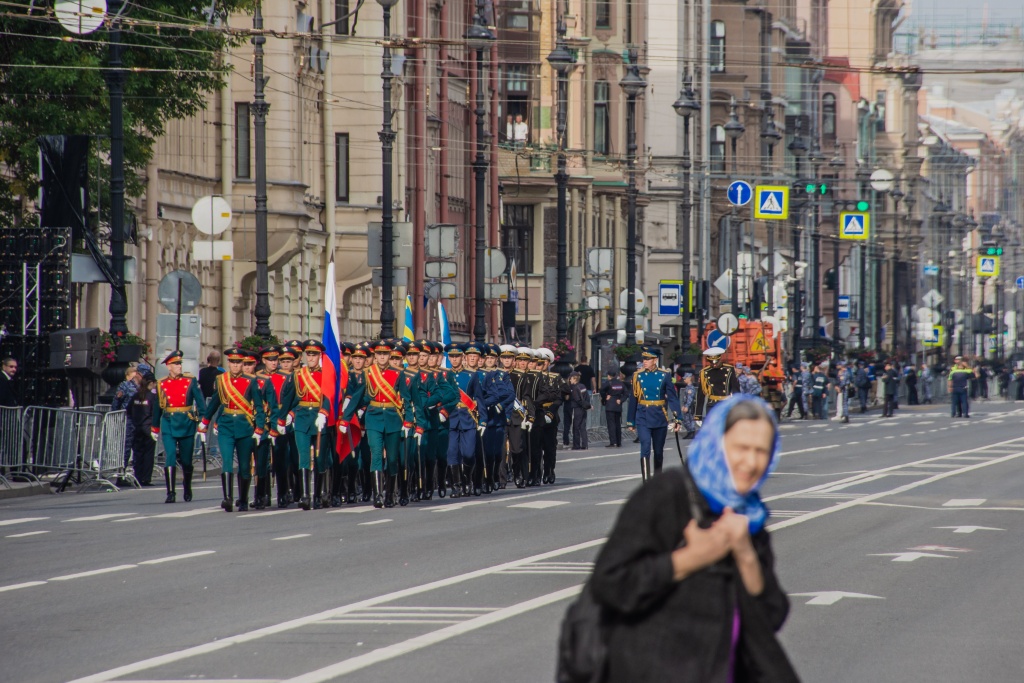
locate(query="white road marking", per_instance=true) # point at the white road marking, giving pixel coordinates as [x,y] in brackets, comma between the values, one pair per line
[100,518]
[27,533]
[174,558]
[388,652]
[222,643]
[620,501]
[596,457]
[376,521]
[380,621]
[963,502]
[969,529]
[288,538]
[832,597]
[546,492]
[94,572]
[540,504]
[940,549]
[816,448]
[204,680]
[22,520]
[16,586]
[352,511]
[909,557]
[267,513]
[187,513]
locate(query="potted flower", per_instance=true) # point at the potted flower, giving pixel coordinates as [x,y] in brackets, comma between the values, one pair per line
[255,342]
[627,352]
[563,350]
[126,347]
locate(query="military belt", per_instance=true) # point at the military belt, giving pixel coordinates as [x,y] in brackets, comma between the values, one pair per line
[183,409]
[383,404]
[547,405]
[650,403]
[235,411]
[309,404]
[717,398]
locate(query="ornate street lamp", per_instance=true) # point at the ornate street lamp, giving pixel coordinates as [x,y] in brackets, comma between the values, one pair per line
[686,107]
[633,86]
[734,131]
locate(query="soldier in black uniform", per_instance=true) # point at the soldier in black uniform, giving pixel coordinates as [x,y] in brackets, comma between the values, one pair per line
[716,382]
[613,396]
[551,390]
[522,417]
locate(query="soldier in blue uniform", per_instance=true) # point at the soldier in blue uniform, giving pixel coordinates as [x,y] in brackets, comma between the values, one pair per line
[657,404]
[463,422]
[499,397]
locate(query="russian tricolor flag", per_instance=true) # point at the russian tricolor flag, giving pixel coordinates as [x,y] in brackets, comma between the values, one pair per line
[335,371]
[446,334]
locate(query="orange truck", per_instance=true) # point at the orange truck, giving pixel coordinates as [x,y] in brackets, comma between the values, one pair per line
[755,345]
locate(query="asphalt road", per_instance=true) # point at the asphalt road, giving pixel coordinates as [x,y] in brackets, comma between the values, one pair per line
[897,538]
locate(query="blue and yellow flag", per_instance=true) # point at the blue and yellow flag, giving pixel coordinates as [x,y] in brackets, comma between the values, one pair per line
[407,333]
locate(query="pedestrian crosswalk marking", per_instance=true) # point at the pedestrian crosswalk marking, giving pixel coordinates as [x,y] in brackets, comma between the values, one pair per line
[963,502]
[771,203]
[540,504]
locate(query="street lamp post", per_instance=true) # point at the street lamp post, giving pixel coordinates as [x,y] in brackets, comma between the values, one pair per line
[479,38]
[836,163]
[561,60]
[115,77]
[387,220]
[734,131]
[816,158]
[798,148]
[897,195]
[686,106]
[861,174]
[633,86]
[770,136]
[260,109]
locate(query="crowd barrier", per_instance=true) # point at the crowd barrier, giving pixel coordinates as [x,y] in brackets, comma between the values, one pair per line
[12,445]
[80,446]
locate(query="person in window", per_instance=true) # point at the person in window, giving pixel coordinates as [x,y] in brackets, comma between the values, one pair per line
[697,600]
[520,132]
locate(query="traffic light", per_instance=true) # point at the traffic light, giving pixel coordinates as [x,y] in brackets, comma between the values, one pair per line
[863,205]
[990,251]
[815,189]
[830,279]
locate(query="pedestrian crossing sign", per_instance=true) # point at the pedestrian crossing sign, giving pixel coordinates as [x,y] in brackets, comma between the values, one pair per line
[988,266]
[854,225]
[771,202]
[936,338]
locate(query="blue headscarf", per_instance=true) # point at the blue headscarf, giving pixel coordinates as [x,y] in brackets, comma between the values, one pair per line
[710,470]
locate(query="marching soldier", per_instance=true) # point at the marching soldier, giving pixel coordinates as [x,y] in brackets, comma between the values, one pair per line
[268,391]
[239,427]
[464,422]
[412,433]
[473,360]
[354,435]
[613,395]
[444,399]
[286,455]
[656,405]
[422,388]
[552,389]
[179,404]
[522,417]
[304,409]
[499,397]
[382,397]
[716,382]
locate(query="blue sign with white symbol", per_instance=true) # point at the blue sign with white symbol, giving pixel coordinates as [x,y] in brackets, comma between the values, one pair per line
[1020,282]
[718,340]
[932,270]
[844,307]
[854,226]
[740,192]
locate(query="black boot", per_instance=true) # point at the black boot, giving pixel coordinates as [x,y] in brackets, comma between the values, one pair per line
[690,435]
[225,503]
[428,484]
[378,489]
[442,479]
[657,466]
[282,490]
[455,477]
[304,502]
[389,491]
[644,470]
[243,493]
[369,480]
[551,476]
[229,495]
[403,493]
[169,483]
[318,482]
[476,475]
[186,476]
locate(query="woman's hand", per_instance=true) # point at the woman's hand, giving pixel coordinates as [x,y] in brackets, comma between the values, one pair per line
[703,548]
[737,530]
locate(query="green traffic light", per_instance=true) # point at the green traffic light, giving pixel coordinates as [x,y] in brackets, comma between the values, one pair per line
[811,188]
[863,205]
[823,188]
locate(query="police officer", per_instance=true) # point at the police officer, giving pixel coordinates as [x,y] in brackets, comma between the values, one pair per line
[716,382]
[657,404]
[613,396]
[239,427]
[179,405]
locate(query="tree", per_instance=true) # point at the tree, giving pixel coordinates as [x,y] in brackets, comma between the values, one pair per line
[51,83]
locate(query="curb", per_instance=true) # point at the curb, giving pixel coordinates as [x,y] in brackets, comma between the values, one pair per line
[23,490]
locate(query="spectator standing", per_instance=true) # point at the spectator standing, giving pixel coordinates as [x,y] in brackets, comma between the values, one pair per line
[208,374]
[926,383]
[910,377]
[806,381]
[819,385]
[844,378]
[891,385]
[796,398]
[140,417]
[588,377]
[579,397]
[862,380]
[687,399]
[10,396]
[123,396]
[957,383]
[613,396]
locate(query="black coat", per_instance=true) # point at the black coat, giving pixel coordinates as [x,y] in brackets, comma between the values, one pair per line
[662,630]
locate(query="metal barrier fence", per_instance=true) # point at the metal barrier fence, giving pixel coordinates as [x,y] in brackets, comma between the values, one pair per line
[83,446]
[12,444]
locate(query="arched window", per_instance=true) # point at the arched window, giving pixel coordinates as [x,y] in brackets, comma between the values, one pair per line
[717,47]
[717,149]
[828,116]
[602,124]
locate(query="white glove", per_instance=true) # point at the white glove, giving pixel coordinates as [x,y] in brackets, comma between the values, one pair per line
[256,437]
[547,418]
[419,439]
[273,440]
[481,429]
[282,428]
[342,427]
[287,419]
[215,432]
[527,426]
[321,421]
[360,413]
[202,436]
[156,437]
[441,417]
[344,405]
[405,432]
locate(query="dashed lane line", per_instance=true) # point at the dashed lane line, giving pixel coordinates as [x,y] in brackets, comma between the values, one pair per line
[292,537]
[27,533]
[93,572]
[22,520]
[105,570]
[101,518]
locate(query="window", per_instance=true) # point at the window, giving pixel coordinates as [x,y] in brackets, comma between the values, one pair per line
[602,135]
[717,149]
[517,78]
[603,14]
[716,50]
[340,10]
[517,236]
[341,167]
[242,140]
[880,111]
[517,15]
[828,116]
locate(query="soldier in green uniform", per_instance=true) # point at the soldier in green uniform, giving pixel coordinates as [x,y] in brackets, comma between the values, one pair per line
[304,409]
[179,405]
[239,427]
[264,379]
[441,400]
[357,463]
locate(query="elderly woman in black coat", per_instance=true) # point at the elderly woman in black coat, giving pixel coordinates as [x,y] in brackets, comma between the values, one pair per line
[687,578]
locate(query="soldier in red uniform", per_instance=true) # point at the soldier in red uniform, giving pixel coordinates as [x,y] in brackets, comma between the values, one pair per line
[269,357]
[179,404]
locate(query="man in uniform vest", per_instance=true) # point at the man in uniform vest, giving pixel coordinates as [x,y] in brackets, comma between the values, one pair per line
[304,410]
[179,404]
[522,417]
[716,382]
[657,404]
[239,427]
[268,391]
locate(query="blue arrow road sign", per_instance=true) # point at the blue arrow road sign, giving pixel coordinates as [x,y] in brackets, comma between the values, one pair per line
[717,340]
[740,192]
[1020,282]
